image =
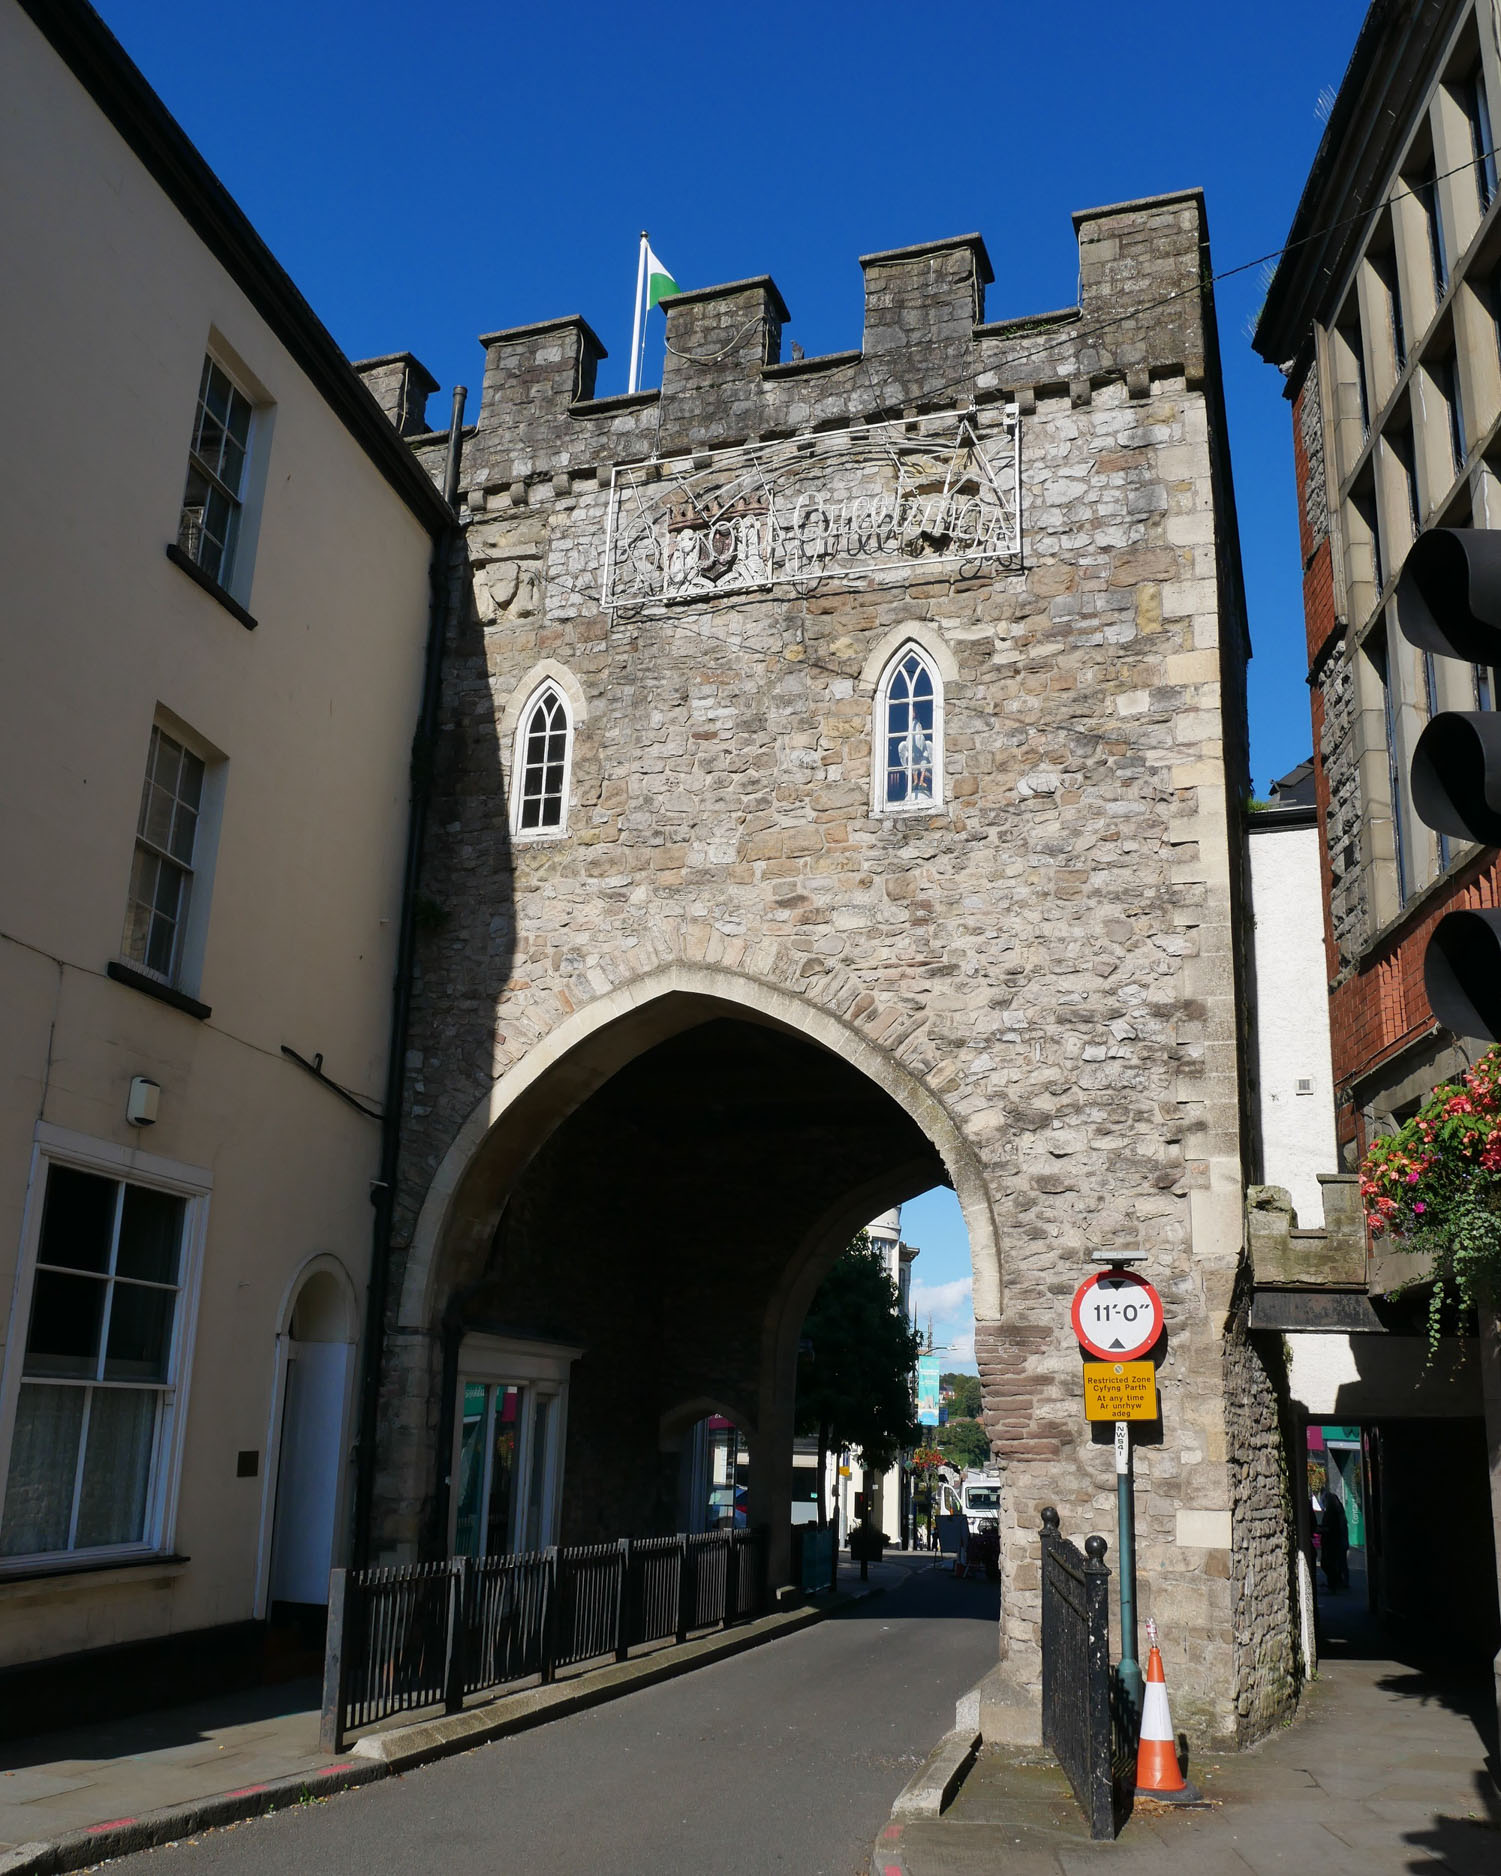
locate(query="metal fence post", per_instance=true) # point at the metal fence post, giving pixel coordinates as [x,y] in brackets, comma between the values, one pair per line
[455,1641]
[331,1719]
[731,1579]
[623,1601]
[685,1601]
[549,1613]
[1101,1779]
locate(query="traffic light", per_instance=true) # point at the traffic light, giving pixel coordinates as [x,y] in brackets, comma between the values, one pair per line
[1449,604]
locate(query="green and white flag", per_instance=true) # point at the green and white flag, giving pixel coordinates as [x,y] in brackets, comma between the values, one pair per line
[660,284]
[653,285]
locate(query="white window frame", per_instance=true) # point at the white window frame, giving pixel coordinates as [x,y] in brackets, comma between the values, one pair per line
[226,574]
[192,938]
[218,351]
[908,648]
[541,1371]
[549,686]
[59,1146]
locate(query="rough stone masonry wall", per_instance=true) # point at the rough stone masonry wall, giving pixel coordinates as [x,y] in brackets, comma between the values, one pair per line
[1050,955]
[1261,1556]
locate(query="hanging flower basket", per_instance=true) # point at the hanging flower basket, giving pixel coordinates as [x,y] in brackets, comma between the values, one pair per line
[1434,1187]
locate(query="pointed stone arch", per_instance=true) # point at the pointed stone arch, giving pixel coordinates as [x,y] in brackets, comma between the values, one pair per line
[543,1083]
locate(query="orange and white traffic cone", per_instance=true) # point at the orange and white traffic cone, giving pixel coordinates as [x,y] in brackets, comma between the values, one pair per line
[1157,1772]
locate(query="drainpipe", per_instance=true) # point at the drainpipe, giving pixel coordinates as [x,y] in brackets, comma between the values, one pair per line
[383,1194]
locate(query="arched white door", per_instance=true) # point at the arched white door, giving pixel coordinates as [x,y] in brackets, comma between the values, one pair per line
[320,1359]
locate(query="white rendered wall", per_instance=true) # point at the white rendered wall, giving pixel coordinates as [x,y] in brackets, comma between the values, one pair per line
[1292,1015]
[114,302]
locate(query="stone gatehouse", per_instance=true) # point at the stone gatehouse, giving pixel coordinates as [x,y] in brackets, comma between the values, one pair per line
[838,793]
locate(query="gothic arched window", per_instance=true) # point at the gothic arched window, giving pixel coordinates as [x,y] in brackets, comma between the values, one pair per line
[908,741]
[544,750]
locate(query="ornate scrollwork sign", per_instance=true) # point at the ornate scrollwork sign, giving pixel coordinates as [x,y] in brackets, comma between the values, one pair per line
[846,504]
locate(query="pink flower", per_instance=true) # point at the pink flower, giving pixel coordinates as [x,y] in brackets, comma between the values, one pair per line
[1420,1206]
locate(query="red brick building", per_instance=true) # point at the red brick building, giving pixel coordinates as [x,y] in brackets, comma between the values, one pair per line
[1384,315]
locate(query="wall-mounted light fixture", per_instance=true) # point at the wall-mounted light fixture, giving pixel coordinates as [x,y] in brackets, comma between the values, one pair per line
[141,1106]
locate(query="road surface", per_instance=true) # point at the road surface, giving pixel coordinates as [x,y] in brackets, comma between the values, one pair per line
[786,1758]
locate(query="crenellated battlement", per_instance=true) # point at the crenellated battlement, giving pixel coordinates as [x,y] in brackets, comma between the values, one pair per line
[401,385]
[932,293]
[926,346]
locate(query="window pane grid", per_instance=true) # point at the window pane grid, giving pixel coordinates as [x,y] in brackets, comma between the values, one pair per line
[216,467]
[909,733]
[544,764]
[86,1446]
[161,873]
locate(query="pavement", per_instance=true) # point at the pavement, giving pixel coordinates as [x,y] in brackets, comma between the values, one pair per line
[129,1781]
[1389,1767]
[91,1775]
[784,1758]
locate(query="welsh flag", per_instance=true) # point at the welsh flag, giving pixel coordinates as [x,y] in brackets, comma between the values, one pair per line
[660,284]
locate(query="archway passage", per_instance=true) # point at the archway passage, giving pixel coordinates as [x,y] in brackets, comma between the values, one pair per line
[668,1235]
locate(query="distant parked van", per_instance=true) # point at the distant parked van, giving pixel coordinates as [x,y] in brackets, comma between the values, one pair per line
[980,1497]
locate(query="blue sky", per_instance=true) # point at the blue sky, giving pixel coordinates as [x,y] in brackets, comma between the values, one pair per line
[428,173]
[942,1285]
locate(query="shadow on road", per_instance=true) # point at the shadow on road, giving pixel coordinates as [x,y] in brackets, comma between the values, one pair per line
[923,1595]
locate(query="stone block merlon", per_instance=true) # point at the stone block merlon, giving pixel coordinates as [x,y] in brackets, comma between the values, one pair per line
[933,292]
[538,368]
[401,385]
[722,332]
[925,346]
[1283,1257]
[1143,271]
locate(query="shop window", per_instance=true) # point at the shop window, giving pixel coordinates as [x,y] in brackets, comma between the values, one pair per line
[508,1446]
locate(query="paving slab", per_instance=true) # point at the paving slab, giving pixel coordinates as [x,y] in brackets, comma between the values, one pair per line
[1388,1770]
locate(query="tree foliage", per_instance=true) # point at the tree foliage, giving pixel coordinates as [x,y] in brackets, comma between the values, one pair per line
[964,1443]
[854,1383]
[966,1402]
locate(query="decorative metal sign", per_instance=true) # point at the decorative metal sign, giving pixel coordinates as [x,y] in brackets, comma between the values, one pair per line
[942,490]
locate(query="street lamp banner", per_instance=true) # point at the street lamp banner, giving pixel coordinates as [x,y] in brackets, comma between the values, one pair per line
[929,1402]
[941,489]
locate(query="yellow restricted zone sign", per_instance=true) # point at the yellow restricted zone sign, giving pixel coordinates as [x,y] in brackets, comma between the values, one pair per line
[1120,1390]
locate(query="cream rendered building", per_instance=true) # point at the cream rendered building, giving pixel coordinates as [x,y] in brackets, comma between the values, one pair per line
[216,556]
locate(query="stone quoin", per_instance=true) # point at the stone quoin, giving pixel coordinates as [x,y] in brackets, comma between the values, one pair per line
[713,988]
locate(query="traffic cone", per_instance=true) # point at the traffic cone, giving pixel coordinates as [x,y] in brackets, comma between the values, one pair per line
[1157,1773]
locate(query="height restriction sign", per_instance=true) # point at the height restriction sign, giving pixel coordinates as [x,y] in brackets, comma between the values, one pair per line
[1117,1316]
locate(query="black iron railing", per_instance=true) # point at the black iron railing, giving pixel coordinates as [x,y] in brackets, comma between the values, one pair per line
[410,1636]
[1077,1722]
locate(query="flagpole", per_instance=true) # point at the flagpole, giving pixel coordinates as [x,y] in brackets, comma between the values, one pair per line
[635,383]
